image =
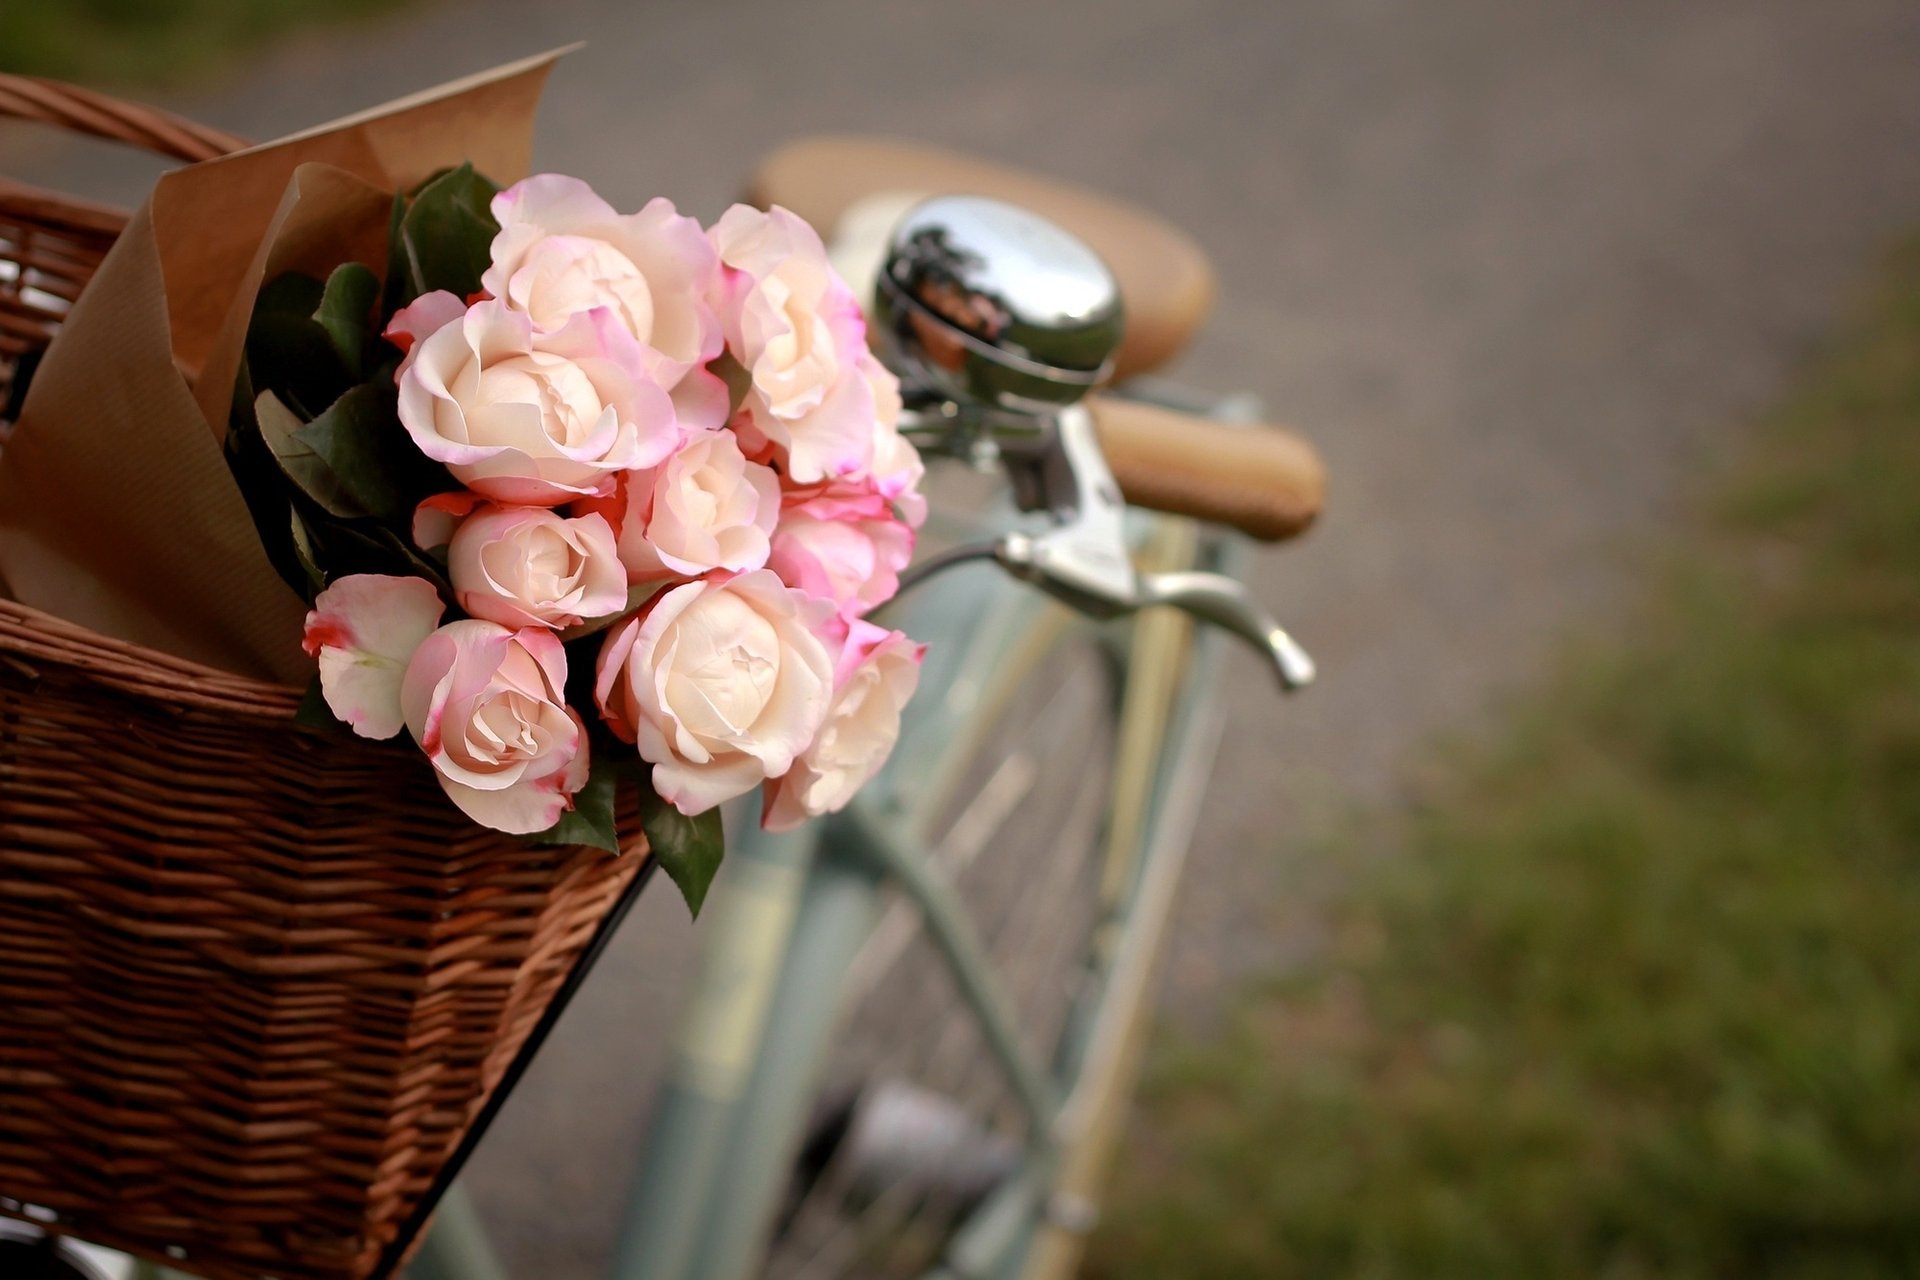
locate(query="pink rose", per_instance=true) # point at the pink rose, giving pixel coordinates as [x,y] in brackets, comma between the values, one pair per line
[897,469]
[877,673]
[488,707]
[364,630]
[720,683]
[532,567]
[844,547]
[563,250]
[527,416]
[796,329]
[704,508]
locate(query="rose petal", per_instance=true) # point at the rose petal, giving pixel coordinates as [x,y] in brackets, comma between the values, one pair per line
[426,314]
[435,519]
[364,630]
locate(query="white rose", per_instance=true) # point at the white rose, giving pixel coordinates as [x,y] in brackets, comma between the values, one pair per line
[879,670]
[720,683]
[526,416]
[796,329]
[529,566]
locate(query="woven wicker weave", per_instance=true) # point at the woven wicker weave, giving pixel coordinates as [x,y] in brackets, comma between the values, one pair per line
[255,982]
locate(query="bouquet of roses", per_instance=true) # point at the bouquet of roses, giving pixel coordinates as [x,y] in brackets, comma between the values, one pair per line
[574,493]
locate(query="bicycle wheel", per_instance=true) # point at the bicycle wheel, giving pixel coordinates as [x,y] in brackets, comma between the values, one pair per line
[914,1122]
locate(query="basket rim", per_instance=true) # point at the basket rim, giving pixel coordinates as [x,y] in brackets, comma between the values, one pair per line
[29,635]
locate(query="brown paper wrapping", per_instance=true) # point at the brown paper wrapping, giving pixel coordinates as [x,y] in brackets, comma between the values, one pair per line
[117,509]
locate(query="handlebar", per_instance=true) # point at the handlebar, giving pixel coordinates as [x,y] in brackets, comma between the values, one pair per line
[1264,481]
[1058,464]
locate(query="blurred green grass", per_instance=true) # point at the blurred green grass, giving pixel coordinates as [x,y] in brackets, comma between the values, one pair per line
[154,43]
[1636,992]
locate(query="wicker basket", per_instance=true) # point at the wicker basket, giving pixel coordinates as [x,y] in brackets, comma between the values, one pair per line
[256,983]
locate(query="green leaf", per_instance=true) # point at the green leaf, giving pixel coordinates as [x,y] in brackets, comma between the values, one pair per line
[290,355]
[293,294]
[305,554]
[343,547]
[359,440]
[420,564]
[445,238]
[402,287]
[263,487]
[689,849]
[314,712]
[280,428]
[345,307]
[591,820]
[354,460]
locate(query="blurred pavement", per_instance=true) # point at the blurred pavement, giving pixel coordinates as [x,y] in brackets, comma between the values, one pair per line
[1519,268]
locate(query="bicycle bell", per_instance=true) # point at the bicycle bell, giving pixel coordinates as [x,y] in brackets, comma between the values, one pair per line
[985,302]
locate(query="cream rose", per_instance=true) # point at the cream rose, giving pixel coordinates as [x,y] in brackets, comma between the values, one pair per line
[845,548]
[707,507]
[877,673]
[720,683]
[532,567]
[796,329]
[487,705]
[526,416]
[562,250]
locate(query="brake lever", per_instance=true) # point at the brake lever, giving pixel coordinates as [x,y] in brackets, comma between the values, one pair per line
[1224,601]
[1083,559]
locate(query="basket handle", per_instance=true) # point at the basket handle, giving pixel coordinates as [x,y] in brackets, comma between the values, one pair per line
[85,111]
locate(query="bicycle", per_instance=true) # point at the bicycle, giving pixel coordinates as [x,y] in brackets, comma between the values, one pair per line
[849,1137]
[795,1142]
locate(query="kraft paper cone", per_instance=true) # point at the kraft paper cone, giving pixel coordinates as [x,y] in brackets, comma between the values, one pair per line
[327,217]
[117,509]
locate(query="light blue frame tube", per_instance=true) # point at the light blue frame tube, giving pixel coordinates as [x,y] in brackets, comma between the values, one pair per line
[721,1088]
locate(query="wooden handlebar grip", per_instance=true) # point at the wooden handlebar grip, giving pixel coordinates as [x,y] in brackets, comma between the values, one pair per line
[1265,481]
